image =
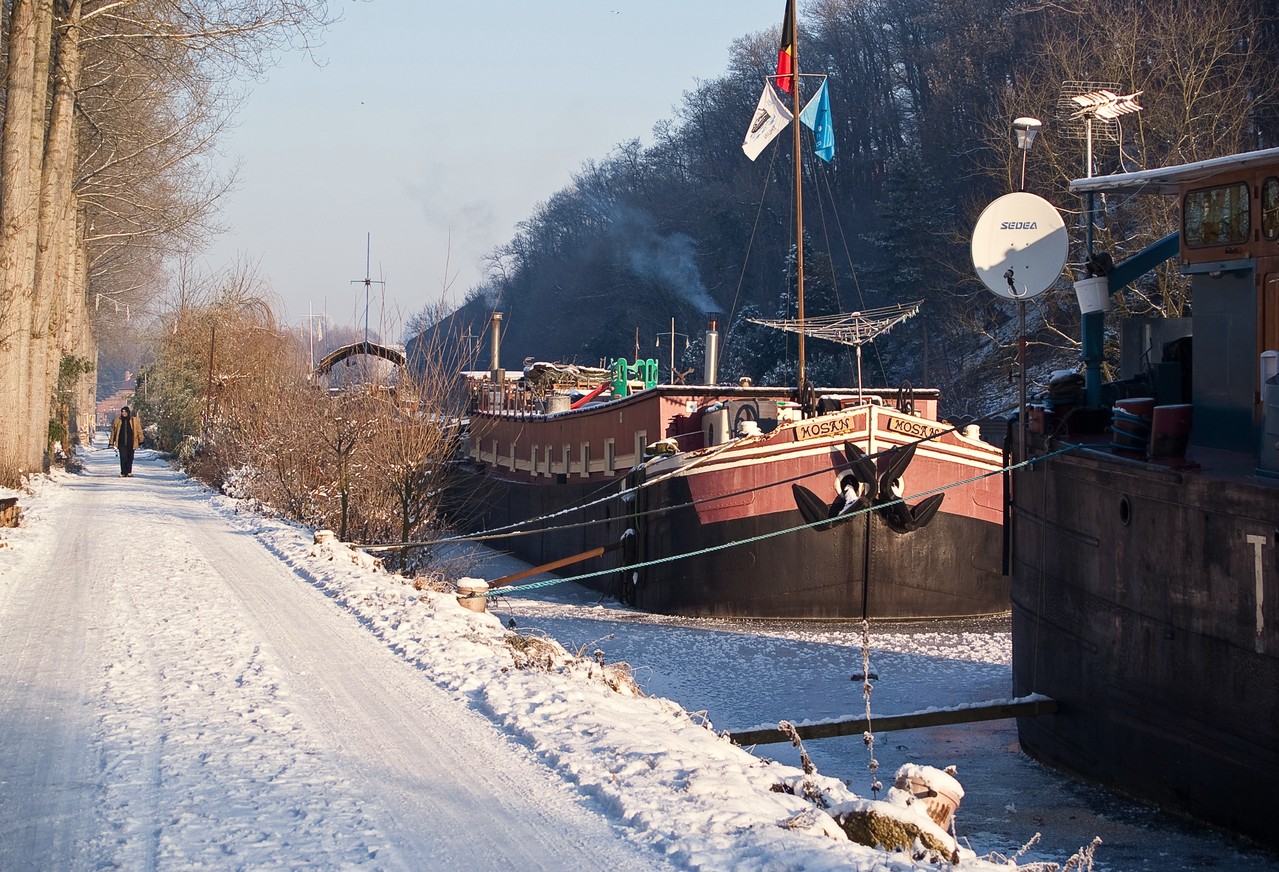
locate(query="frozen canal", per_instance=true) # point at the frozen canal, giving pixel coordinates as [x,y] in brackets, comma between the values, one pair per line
[746,674]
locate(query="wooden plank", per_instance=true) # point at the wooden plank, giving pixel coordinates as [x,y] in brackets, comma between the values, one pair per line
[1022,708]
[553,565]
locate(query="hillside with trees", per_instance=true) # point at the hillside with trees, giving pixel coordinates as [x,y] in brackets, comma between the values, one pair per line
[922,96]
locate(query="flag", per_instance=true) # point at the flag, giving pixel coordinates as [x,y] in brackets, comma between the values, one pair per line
[786,54]
[771,118]
[816,116]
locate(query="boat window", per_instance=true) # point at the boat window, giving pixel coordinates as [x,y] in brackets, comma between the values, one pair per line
[1216,216]
[1270,208]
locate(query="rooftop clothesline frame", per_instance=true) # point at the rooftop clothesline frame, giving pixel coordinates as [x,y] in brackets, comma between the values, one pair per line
[852,328]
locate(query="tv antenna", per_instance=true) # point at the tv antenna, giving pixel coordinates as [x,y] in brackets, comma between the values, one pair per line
[368,282]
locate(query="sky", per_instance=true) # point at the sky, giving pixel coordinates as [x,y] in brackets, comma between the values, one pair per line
[187,684]
[427,131]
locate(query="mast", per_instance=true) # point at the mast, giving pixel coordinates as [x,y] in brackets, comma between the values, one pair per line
[367,281]
[802,381]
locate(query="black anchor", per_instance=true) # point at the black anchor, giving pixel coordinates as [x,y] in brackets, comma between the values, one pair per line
[876,489]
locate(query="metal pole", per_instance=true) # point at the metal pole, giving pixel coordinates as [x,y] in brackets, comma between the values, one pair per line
[802,382]
[859,373]
[1092,324]
[368,279]
[208,397]
[1021,359]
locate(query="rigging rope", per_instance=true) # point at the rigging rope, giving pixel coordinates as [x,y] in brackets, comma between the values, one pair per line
[502,532]
[741,277]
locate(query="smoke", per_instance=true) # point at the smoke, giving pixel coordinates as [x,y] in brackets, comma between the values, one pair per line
[667,259]
[671,260]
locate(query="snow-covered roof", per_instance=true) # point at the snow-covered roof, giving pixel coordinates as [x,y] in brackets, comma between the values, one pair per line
[1166,180]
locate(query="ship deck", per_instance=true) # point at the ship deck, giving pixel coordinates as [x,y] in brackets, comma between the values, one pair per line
[1235,466]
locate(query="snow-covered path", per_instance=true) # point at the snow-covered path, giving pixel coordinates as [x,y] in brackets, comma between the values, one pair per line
[171,697]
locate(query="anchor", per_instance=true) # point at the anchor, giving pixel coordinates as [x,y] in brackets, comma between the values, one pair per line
[870,488]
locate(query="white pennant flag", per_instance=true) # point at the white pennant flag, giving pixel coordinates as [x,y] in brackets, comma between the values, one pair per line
[771,118]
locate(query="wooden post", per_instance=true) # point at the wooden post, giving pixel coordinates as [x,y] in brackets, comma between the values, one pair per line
[470,594]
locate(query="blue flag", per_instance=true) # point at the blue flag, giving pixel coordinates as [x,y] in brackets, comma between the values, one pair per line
[816,116]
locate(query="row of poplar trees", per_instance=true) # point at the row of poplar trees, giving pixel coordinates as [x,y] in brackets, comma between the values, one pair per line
[110,111]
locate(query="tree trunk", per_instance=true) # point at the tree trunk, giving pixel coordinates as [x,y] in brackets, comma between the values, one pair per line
[18,206]
[81,335]
[57,236]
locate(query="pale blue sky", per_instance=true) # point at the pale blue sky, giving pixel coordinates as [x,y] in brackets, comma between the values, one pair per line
[436,127]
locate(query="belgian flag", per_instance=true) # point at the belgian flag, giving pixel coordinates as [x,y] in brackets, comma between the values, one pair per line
[786,54]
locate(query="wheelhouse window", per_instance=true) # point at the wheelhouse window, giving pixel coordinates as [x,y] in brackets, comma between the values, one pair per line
[1217,216]
[1270,208]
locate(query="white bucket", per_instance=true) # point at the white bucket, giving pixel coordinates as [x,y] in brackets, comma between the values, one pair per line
[1093,294]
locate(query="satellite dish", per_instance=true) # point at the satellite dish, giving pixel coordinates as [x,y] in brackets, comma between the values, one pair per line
[1019,246]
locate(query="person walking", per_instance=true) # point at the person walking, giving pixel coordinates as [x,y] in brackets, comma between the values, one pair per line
[126,436]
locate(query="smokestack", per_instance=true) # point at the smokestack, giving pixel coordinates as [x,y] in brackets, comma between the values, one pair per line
[712,353]
[495,360]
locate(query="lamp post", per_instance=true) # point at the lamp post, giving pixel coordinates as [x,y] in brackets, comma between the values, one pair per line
[1027,129]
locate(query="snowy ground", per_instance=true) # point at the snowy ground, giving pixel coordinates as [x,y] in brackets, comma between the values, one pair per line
[184,685]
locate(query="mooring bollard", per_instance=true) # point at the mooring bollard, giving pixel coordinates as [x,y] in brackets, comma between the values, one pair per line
[938,790]
[470,594]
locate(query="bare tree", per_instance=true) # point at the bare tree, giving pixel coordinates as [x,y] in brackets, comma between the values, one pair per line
[90,207]
[20,164]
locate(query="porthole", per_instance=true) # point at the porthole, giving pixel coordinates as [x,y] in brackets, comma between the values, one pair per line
[1125,511]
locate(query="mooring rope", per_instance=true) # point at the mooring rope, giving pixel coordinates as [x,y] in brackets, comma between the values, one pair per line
[764,536]
[868,735]
[506,530]
[509,531]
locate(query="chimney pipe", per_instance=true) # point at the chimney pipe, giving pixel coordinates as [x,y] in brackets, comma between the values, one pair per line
[712,353]
[495,364]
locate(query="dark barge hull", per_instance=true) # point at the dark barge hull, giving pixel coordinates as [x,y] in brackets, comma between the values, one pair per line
[950,568]
[1145,600]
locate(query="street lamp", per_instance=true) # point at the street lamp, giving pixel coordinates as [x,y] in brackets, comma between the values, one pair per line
[1027,129]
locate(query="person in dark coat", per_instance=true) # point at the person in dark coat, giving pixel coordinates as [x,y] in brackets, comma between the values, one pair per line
[126,436]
